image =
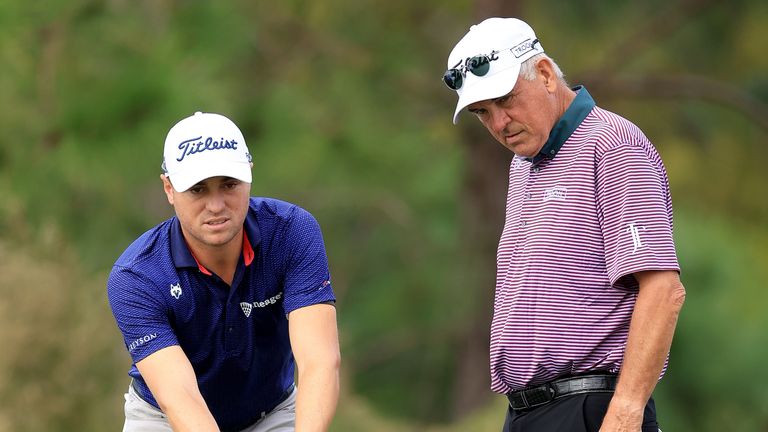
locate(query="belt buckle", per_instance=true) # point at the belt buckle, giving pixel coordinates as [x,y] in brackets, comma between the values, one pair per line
[549,396]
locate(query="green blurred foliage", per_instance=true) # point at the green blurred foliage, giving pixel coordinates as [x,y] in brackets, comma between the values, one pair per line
[342,106]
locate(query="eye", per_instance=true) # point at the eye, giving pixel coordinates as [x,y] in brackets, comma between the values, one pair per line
[196,190]
[506,99]
[480,112]
[231,184]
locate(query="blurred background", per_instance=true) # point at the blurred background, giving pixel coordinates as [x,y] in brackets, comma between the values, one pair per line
[343,107]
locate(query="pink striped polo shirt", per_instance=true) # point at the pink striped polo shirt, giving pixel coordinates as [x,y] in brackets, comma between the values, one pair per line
[591,209]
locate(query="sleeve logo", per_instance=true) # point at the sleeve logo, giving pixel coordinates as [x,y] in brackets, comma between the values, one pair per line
[141,341]
[634,231]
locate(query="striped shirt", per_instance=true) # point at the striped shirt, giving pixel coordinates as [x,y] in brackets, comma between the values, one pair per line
[590,210]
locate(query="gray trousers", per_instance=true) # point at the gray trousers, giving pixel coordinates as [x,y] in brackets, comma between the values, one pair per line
[140,416]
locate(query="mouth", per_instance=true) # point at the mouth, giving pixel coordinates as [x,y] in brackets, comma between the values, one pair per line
[512,136]
[216,222]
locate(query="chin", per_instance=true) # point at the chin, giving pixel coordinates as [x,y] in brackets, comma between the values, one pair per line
[221,239]
[524,150]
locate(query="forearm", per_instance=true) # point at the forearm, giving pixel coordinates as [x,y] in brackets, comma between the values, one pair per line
[189,413]
[172,381]
[315,344]
[318,393]
[650,336]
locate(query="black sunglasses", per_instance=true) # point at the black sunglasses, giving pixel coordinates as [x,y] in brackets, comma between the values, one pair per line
[479,65]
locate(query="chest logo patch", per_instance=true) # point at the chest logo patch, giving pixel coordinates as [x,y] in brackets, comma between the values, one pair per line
[176,290]
[247,308]
[556,193]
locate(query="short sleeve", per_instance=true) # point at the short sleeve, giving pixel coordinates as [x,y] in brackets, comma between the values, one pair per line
[307,277]
[635,211]
[140,314]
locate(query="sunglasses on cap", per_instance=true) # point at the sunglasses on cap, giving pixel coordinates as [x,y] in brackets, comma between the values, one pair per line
[479,65]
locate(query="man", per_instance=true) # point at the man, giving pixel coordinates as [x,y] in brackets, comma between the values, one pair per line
[215,303]
[588,291]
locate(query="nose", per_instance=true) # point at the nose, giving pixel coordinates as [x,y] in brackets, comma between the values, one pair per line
[499,120]
[215,202]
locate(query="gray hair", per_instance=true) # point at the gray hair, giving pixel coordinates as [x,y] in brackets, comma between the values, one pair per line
[528,68]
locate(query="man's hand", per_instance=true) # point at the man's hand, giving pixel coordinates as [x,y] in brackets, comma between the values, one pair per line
[623,416]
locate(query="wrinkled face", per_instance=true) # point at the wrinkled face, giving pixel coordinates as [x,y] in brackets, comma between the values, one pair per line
[211,212]
[522,119]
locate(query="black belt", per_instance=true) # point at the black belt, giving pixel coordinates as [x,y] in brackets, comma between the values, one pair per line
[545,393]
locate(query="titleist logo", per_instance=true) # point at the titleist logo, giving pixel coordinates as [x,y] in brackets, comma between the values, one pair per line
[198,145]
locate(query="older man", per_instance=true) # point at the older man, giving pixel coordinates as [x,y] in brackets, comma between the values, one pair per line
[587,290]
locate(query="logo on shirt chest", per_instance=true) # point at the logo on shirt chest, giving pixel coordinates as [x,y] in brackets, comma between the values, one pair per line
[557,193]
[248,307]
[176,290]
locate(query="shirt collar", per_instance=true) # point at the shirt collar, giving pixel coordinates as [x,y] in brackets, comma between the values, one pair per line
[577,111]
[182,256]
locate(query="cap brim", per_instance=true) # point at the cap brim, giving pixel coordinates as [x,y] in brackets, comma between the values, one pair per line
[487,87]
[184,180]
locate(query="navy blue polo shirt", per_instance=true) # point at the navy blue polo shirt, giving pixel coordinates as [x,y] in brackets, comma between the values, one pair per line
[235,337]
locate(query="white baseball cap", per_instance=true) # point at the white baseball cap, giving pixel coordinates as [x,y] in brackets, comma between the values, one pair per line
[507,43]
[205,145]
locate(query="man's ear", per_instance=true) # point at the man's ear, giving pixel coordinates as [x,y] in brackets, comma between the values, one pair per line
[546,72]
[167,188]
